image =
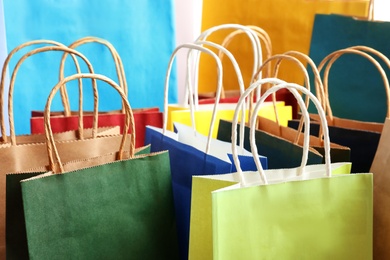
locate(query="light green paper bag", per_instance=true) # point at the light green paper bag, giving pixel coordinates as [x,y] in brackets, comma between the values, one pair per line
[325,218]
[304,217]
[201,233]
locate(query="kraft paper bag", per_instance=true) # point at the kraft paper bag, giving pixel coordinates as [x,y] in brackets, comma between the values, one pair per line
[380,169]
[64,134]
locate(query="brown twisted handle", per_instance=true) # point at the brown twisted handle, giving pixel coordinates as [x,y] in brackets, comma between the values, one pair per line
[54,158]
[4,72]
[116,57]
[12,83]
[359,50]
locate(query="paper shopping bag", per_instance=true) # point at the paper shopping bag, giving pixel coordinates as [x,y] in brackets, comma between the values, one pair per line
[186,160]
[142,117]
[154,44]
[276,234]
[113,193]
[379,168]
[361,137]
[129,224]
[203,230]
[334,32]
[16,239]
[33,157]
[21,152]
[338,152]
[82,157]
[280,19]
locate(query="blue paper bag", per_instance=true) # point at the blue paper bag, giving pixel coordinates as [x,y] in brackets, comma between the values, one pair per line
[187,160]
[143,33]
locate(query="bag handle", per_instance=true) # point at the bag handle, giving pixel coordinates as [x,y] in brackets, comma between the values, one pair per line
[257,53]
[240,80]
[256,85]
[117,59]
[262,35]
[293,88]
[4,72]
[319,88]
[332,57]
[129,120]
[191,47]
[278,58]
[12,83]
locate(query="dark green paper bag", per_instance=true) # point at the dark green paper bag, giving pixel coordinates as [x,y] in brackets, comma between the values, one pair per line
[16,240]
[100,208]
[120,210]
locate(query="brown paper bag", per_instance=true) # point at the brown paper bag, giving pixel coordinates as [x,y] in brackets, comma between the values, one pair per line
[381,169]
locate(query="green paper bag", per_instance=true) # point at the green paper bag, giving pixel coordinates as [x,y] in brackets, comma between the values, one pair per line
[16,240]
[101,208]
[325,218]
[202,233]
[120,210]
[312,215]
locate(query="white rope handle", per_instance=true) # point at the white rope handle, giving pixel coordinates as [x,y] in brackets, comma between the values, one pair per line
[294,88]
[257,51]
[191,47]
[240,80]
[278,58]
[248,91]
[264,39]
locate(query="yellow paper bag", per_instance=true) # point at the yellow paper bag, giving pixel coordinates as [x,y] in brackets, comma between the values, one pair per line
[203,116]
[288,23]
